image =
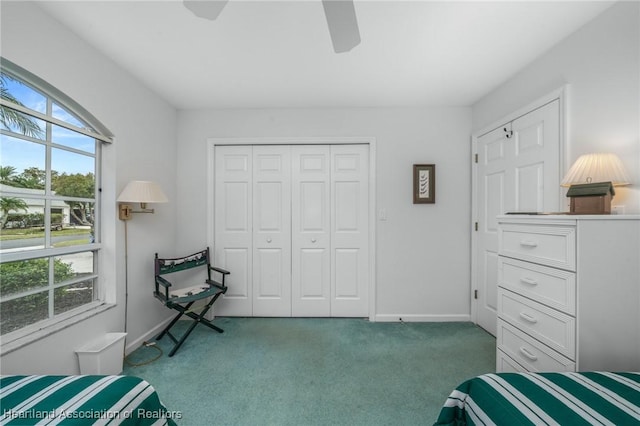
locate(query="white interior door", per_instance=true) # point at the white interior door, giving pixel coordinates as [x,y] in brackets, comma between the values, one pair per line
[518,170]
[311,231]
[233,233]
[349,230]
[272,231]
[292,224]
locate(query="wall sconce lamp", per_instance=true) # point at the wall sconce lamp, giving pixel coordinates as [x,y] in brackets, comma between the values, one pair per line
[139,191]
[136,191]
[591,180]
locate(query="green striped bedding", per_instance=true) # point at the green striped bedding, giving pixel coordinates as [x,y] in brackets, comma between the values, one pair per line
[588,398]
[81,400]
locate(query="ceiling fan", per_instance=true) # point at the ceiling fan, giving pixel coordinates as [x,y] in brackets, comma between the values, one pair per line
[340,14]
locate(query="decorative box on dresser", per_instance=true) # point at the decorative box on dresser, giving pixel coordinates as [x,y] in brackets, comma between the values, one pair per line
[568,293]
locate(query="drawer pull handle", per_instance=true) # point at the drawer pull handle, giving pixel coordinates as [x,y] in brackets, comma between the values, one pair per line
[527,243]
[529,281]
[528,354]
[528,318]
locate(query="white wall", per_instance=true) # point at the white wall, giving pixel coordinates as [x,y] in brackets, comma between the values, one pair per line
[601,64]
[145,129]
[422,251]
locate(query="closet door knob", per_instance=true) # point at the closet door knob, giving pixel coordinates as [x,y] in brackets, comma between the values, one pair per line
[268,240]
[313,240]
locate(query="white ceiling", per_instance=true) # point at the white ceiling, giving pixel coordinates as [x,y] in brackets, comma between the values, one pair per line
[262,53]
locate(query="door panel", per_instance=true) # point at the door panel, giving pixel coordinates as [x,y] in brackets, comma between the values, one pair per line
[346,201]
[313,269]
[268,276]
[347,279]
[311,231]
[312,204]
[537,147]
[236,211]
[349,230]
[233,227]
[492,189]
[271,231]
[518,170]
[530,188]
[494,193]
[237,260]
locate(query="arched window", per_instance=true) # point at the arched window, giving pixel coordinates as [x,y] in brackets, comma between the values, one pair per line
[49,203]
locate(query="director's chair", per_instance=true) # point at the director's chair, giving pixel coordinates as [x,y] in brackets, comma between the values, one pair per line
[182,299]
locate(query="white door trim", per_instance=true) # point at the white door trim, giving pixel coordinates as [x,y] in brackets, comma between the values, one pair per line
[560,94]
[333,140]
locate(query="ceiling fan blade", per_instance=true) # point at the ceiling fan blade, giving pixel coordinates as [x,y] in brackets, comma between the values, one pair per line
[343,24]
[208,9]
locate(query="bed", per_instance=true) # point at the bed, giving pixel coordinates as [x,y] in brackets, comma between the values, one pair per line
[545,398]
[81,400]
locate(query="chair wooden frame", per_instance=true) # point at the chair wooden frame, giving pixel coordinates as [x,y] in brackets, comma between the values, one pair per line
[183,301]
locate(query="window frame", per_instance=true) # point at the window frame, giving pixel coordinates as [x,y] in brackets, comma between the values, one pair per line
[102,296]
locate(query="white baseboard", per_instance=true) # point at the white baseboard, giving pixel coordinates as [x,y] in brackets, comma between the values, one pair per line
[421,318]
[132,346]
[149,335]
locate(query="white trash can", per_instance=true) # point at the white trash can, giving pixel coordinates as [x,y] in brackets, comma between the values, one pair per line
[102,356]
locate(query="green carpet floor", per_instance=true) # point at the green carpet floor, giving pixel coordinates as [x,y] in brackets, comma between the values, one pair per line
[295,371]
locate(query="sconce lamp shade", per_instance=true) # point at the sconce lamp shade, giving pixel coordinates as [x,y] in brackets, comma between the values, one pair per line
[142,191]
[599,167]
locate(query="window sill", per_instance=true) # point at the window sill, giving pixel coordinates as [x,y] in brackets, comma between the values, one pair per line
[21,338]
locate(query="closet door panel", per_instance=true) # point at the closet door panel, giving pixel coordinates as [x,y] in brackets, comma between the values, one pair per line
[239,261]
[272,231]
[350,230]
[233,222]
[313,267]
[311,231]
[346,273]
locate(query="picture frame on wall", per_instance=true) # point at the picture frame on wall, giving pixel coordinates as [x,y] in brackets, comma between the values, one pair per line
[424,183]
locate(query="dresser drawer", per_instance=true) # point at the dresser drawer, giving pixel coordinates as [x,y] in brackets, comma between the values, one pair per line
[544,244]
[552,287]
[528,352]
[553,328]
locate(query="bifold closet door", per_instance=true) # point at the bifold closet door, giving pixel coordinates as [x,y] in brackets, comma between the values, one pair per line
[233,235]
[291,224]
[253,229]
[330,230]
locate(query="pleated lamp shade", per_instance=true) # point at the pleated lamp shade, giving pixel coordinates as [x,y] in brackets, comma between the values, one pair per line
[599,167]
[142,191]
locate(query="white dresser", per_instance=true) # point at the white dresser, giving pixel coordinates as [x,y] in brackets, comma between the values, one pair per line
[568,293]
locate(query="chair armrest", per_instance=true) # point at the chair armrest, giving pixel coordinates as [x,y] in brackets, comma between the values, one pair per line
[216,284]
[162,281]
[166,284]
[220,270]
[223,273]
